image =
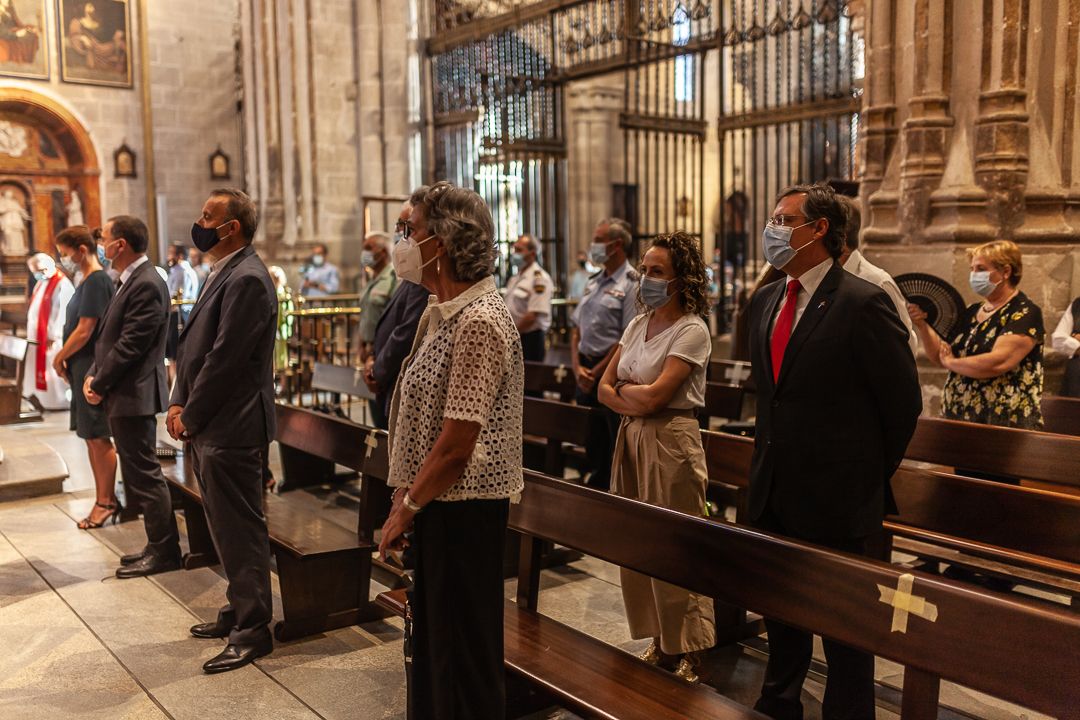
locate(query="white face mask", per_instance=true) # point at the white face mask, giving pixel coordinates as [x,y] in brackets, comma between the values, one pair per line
[408,262]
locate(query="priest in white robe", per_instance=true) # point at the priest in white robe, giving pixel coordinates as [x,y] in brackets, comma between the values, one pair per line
[45,331]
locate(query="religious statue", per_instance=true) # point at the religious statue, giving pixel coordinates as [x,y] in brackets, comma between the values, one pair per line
[13,219]
[45,329]
[74,210]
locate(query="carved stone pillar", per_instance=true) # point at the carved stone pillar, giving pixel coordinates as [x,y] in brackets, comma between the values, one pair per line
[594,159]
[927,130]
[879,125]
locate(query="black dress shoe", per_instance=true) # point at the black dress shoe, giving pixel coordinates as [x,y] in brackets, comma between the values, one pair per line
[148,565]
[237,656]
[209,630]
[133,557]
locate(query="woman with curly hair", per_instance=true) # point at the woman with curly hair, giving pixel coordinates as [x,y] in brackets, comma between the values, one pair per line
[656,380]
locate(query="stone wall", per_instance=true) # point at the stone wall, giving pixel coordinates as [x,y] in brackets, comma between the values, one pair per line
[193,102]
[970,134]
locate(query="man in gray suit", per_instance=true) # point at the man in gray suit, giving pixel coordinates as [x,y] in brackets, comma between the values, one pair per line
[223,405]
[128,375]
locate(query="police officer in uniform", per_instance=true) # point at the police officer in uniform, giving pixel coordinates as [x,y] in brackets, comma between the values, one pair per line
[606,308]
[528,297]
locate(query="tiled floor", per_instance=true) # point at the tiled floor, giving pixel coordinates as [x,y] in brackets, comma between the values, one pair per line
[77,643]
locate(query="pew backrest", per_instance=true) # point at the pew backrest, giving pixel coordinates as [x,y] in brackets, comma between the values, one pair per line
[557,421]
[723,401]
[13,347]
[1010,452]
[340,379]
[1061,414]
[357,447]
[542,378]
[1011,649]
[731,372]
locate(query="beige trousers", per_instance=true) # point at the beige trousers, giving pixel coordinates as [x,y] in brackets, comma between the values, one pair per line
[660,460]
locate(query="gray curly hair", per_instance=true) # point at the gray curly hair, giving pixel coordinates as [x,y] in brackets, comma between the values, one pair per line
[462,219]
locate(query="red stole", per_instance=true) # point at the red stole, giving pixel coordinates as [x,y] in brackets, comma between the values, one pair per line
[44,313]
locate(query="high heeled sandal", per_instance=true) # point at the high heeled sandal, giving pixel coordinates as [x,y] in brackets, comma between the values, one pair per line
[114,514]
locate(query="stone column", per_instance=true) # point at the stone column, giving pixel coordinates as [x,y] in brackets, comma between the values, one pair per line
[879,124]
[593,166]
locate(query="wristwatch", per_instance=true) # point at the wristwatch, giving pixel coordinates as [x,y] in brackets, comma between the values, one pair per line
[407,501]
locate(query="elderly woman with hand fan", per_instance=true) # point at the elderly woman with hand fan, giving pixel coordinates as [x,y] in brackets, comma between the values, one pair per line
[995,357]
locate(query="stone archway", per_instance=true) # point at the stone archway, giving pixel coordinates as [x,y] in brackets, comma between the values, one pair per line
[47,152]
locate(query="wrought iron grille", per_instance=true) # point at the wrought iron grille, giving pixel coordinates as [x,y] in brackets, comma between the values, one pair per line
[786,92]
[790,86]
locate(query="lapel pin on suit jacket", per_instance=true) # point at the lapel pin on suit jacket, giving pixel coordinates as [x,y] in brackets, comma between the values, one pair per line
[821,305]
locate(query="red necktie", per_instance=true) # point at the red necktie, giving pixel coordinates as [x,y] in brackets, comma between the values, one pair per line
[782,331]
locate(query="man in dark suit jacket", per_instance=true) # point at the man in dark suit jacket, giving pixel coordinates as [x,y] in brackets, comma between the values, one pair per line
[393,340]
[223,405]
[128,375]
[837,401]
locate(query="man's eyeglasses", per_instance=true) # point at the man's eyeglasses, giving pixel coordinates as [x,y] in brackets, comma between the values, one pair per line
[786,220]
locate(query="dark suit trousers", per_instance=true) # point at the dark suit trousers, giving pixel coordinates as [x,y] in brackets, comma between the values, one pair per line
[603,427]
[457,604]
[136,442]
[849,690]
[231,483]
[532,346]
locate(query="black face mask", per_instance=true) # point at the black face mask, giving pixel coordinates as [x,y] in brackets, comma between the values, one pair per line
[205,238]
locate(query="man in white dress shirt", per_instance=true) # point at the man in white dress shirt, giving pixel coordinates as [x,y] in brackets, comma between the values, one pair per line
[854,262]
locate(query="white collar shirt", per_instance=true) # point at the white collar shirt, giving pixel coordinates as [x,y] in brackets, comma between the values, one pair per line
[808,285]
[126,275]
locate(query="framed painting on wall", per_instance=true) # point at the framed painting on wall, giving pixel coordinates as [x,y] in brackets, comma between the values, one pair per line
[24,47]
[95,42]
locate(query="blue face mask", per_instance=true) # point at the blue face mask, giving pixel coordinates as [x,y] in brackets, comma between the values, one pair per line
[517,261]
[598,253]
[101,256]
[69,265]
[367,258]
[980,283]
[654,292]
[39,276]
[776,244]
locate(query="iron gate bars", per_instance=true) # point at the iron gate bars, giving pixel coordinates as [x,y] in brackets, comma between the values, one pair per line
[790,87]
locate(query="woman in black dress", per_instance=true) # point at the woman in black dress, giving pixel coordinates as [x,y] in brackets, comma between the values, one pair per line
[78,253]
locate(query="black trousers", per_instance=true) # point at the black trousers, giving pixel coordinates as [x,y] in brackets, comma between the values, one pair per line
[231,483]
[849,691]
[457,606]
[603,427]
[136,442]
[532,346]
[378,416]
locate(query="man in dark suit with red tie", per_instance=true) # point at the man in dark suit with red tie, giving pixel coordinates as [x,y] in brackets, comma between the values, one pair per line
[223,405]
[837,401]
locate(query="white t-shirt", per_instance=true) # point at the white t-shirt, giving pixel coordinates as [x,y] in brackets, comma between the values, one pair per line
[641,360]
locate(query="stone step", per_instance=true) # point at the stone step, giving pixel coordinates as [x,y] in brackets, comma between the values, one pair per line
[28,467]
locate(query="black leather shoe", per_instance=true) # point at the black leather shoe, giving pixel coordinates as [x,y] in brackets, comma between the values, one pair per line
[133,557]
[210,630]
[236,656]
[148,565]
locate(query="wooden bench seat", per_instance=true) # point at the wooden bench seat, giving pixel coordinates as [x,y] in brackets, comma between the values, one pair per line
[590,676]
[1061,414]
[323,569]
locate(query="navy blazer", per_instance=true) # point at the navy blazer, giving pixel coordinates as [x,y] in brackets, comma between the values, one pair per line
[225,359]
[833,429]
[394,337]
[129,356]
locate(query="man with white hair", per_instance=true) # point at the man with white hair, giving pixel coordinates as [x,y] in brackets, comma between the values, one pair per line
[380,286]
[45,329]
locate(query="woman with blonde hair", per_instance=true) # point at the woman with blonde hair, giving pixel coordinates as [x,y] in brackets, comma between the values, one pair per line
[994,358]
[656,380]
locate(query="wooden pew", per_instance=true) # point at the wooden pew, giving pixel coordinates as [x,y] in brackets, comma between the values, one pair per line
[11,412]
[555,380]
[1061,414]
[731,372]
[324,570]
[1011,649]
[722,401]
[945,517]
[1006,452]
